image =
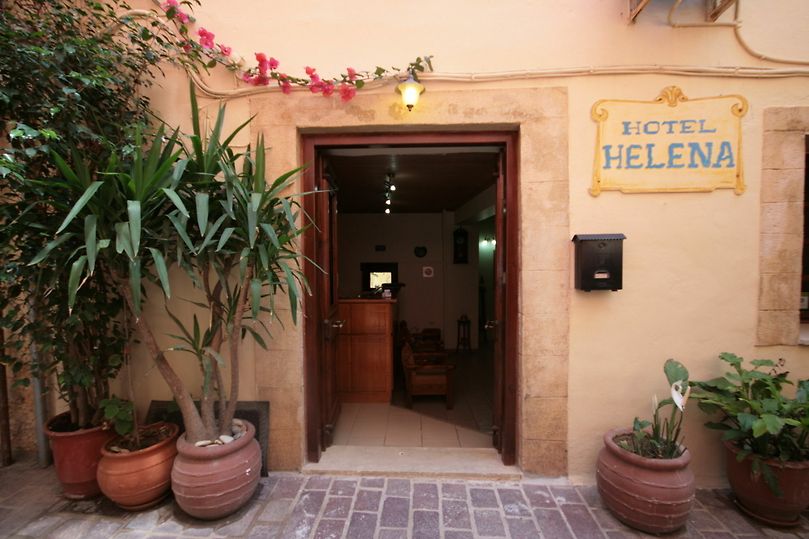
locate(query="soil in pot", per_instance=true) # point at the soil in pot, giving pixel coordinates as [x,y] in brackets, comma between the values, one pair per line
[76,453]
[212,481]
[652,495]
[756,499]
[137,477]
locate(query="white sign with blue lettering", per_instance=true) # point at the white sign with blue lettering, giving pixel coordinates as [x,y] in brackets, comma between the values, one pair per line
[671,144]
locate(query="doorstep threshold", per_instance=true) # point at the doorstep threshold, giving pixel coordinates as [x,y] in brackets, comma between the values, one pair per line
[433,462]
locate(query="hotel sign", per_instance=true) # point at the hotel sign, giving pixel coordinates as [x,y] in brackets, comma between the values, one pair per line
[671,144]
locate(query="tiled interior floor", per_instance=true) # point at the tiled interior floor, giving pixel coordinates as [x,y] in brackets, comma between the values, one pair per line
[428,423]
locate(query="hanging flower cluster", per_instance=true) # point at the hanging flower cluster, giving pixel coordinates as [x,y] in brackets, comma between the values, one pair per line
[266,72]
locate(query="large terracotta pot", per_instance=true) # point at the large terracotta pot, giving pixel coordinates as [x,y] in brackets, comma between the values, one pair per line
[653,495]
[139,479]
[756,499]
[75,457]
[214,481]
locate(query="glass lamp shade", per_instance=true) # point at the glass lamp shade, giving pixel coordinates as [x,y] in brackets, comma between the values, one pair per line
[411,90]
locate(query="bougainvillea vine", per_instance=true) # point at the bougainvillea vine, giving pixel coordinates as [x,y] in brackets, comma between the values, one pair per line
[266,71]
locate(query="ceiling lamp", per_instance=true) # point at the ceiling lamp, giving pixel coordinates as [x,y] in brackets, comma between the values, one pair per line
[411,90]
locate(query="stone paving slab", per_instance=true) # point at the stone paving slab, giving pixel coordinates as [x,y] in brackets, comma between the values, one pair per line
[289,505]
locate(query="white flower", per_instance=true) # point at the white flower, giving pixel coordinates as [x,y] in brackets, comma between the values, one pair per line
[679,396]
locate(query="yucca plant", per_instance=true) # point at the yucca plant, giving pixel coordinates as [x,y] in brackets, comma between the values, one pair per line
[232,232]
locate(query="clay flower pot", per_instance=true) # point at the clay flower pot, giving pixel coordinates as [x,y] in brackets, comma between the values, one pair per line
[75,457]
[139,479]
[652,495]
[756,499]
[214,481]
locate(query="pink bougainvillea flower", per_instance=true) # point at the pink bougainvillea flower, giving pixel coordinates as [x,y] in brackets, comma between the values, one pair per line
[183,18]
[170,4]
[261,80]
[347,91]
[187,47]
[261,57]
[352,73]
[225,50]
[263,66]
[273,63]
[316,87]
[205,38]
[310,70]
[328,89]
[247,77]
[286,87]
[315,78]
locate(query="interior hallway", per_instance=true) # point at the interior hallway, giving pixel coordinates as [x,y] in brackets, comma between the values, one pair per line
[428,423]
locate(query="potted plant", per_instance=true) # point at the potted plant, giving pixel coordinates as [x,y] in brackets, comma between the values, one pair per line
[765,437]
[71,83]
[642,472]
[135,467]
[234,234]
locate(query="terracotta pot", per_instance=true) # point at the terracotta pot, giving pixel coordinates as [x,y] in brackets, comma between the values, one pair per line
[652,495]
[75,457]
[756,499]
[140,479]
[215,481]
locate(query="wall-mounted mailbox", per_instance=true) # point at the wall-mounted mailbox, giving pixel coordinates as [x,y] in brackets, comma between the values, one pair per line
[599,261]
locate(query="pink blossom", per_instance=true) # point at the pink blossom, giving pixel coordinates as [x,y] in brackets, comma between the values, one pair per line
[316,87]
[247,77]
[315,78]
[347,91]
[261,57]
[261,80]
[352,74]
[225,50]
[170,4]
[273,63]
[328,89]
[310,71]
[184,18]
[205,38]
[187,47]
[286,87]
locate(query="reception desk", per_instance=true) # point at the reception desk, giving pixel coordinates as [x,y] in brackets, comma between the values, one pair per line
[365,350]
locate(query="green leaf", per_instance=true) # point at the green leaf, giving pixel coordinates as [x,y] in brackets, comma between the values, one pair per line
[162,271]
[134,284]
[179,225]
[76,271]
[90,242]
[83,200]
[675,371]
[223,239]
[175,199]
[270,231]
[773,423]
[201,200]
[255,297]
[133,210]
[123,244]
[43,254]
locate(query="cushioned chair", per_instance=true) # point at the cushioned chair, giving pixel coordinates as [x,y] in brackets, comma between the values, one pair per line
[427,373]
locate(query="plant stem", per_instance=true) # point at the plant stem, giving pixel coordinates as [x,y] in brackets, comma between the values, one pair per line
[235,341]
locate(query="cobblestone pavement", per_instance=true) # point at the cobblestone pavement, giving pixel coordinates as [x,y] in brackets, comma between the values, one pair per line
[298,506]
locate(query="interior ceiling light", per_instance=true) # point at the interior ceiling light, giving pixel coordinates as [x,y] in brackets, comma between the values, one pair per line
[387,210]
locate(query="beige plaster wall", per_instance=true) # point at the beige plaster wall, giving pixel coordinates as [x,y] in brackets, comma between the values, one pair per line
[588,361]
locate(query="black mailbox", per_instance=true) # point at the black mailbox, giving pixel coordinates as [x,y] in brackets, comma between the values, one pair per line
[599,261]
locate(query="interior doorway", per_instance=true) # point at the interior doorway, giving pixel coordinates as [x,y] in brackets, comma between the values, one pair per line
[414,227]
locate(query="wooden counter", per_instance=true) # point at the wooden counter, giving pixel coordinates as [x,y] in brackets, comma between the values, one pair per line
[365,350]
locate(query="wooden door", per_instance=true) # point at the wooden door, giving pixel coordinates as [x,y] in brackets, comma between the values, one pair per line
[322,322]
[327,296]
[504,405]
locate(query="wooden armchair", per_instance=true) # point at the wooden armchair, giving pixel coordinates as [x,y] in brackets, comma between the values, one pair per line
[427,374]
